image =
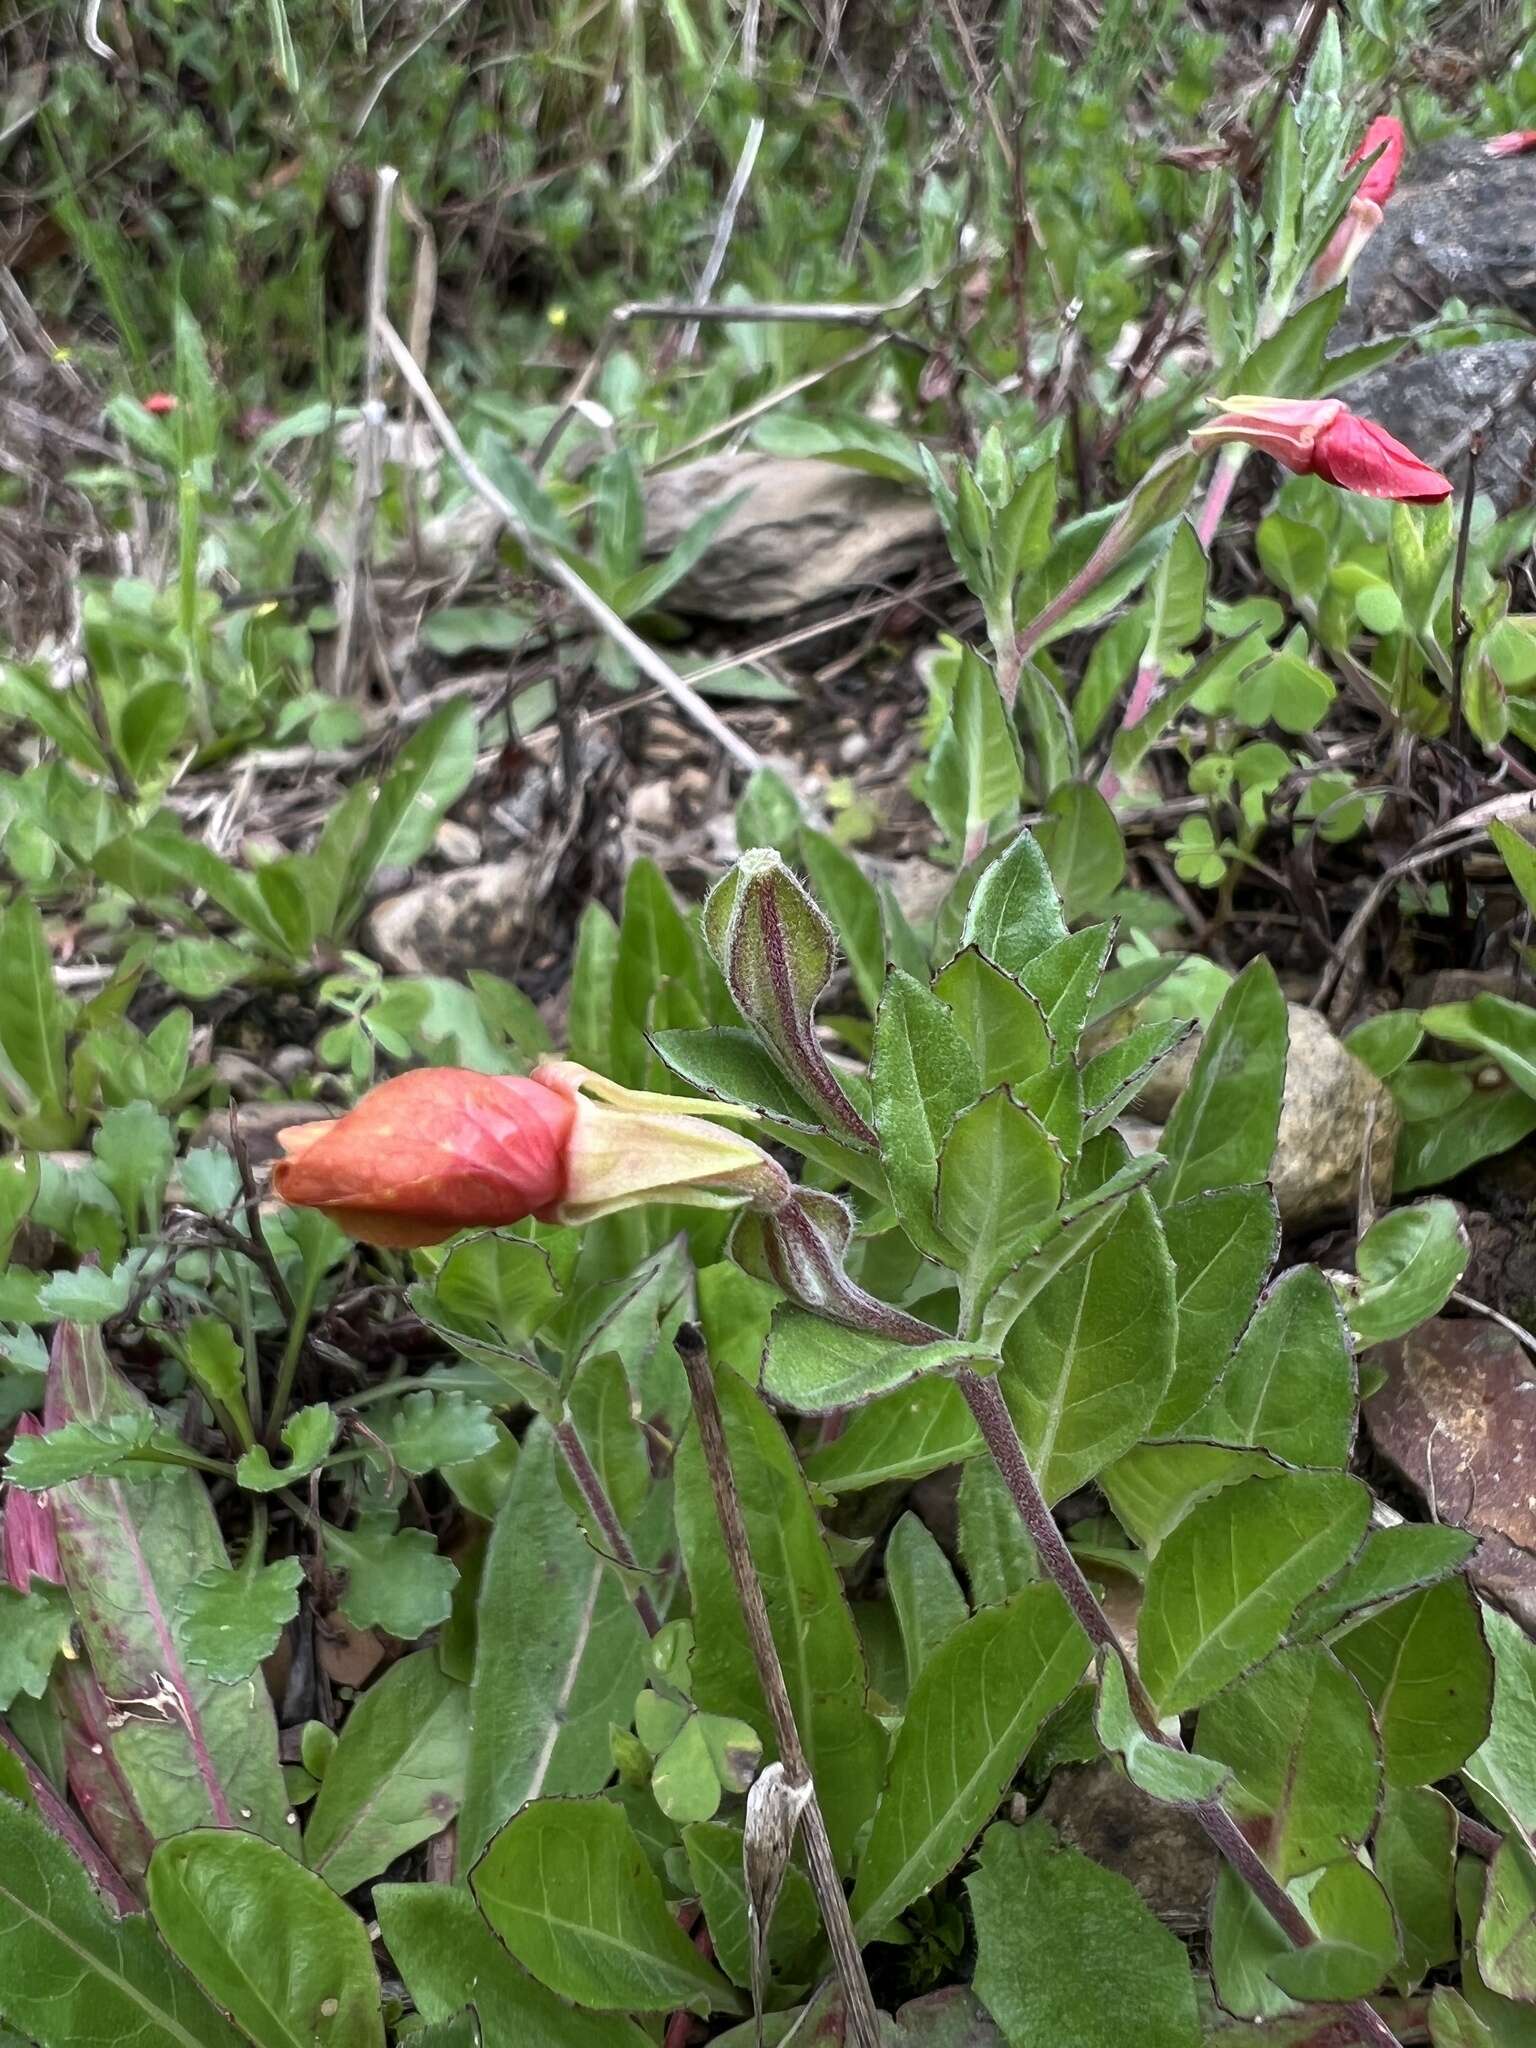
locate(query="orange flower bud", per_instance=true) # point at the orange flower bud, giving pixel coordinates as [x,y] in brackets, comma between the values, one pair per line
[431,1152]
[160,402]
[441,1149]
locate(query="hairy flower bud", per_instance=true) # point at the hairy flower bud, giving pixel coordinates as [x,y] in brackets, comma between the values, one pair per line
[1322,437]
[442,1149]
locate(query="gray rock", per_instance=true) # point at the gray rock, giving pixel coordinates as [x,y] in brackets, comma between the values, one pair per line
[1461,225]
[1326,1111]
[469,917]
[803,533]
[1430,404]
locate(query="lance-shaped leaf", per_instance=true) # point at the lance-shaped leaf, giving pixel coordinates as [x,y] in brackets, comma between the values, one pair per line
[281,1953]
[973,1714]
[560,1656]
[69,1974]
[777,952]
[567,1887]
[396,1776]
[1223,1127]
[193,1752]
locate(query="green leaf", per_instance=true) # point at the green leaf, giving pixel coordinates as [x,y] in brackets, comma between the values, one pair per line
[924,1592]
[1414,1850]
[714,1853]
[561,1655]
[655,946]
[1003,1024]
[35,1628]
[904,1435]
[1519,856]
[1387,1042]
[1357,1937]
[71,1975]
[1454,2024]
[426,1430]
[922,1075]
[396,1578]
[430,773]
[34,1018]
[1290,1387]
[1390,1562]
[1226,1581]
[215,1358]
[232,1620]
[1000,1183]
[1014,912]
[1289,362]
[1504,1030]
[1222,1244]
[817,1641]
[567,1887]
[1088,1361]
[1506,1933]
[1426,1671]
[973,771]
[441,1946]
[76,1450]
[1408,1261]
[730,1064]
[307,1435]
[589,1026]
[1172,1775]
[1223,1127]
[816,1367]
[768,814]
[1153,1487]
[1082,843]
[995,1548]
[277,1949]
[970,1719]
[1503,1769]
[1063,978]
[1113,1077]
[852,903]
[1298,1734]
[395,1778]
[1067,1951]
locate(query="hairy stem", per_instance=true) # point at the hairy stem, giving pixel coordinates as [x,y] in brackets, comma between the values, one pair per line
[985,1400]
[595,1494]
[863,2019]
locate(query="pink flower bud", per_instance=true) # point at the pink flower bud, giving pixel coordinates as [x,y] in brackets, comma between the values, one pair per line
[1386,135]
[1516,143]
[1322,437]
[29,1546]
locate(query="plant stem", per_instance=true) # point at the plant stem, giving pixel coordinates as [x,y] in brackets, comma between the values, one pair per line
[985,1400]
[298,1329]
[863,2019]
[595,1494]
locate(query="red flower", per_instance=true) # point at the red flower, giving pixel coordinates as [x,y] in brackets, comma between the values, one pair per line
[29,1544]
[1362,216]
[442,1149]
[1322,437]
[432,1152]
[160,402]
[1385,134]
[1516,143]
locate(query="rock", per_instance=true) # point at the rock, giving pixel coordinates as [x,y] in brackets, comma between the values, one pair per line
[1455,1419]
[457,844]
[1461,225]
[246,1079]
[259,1124]
[1329,1095]
[803,532]
[1429,404]
[1162,1850]
[1465,984]
[469,917]
[951,2018]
